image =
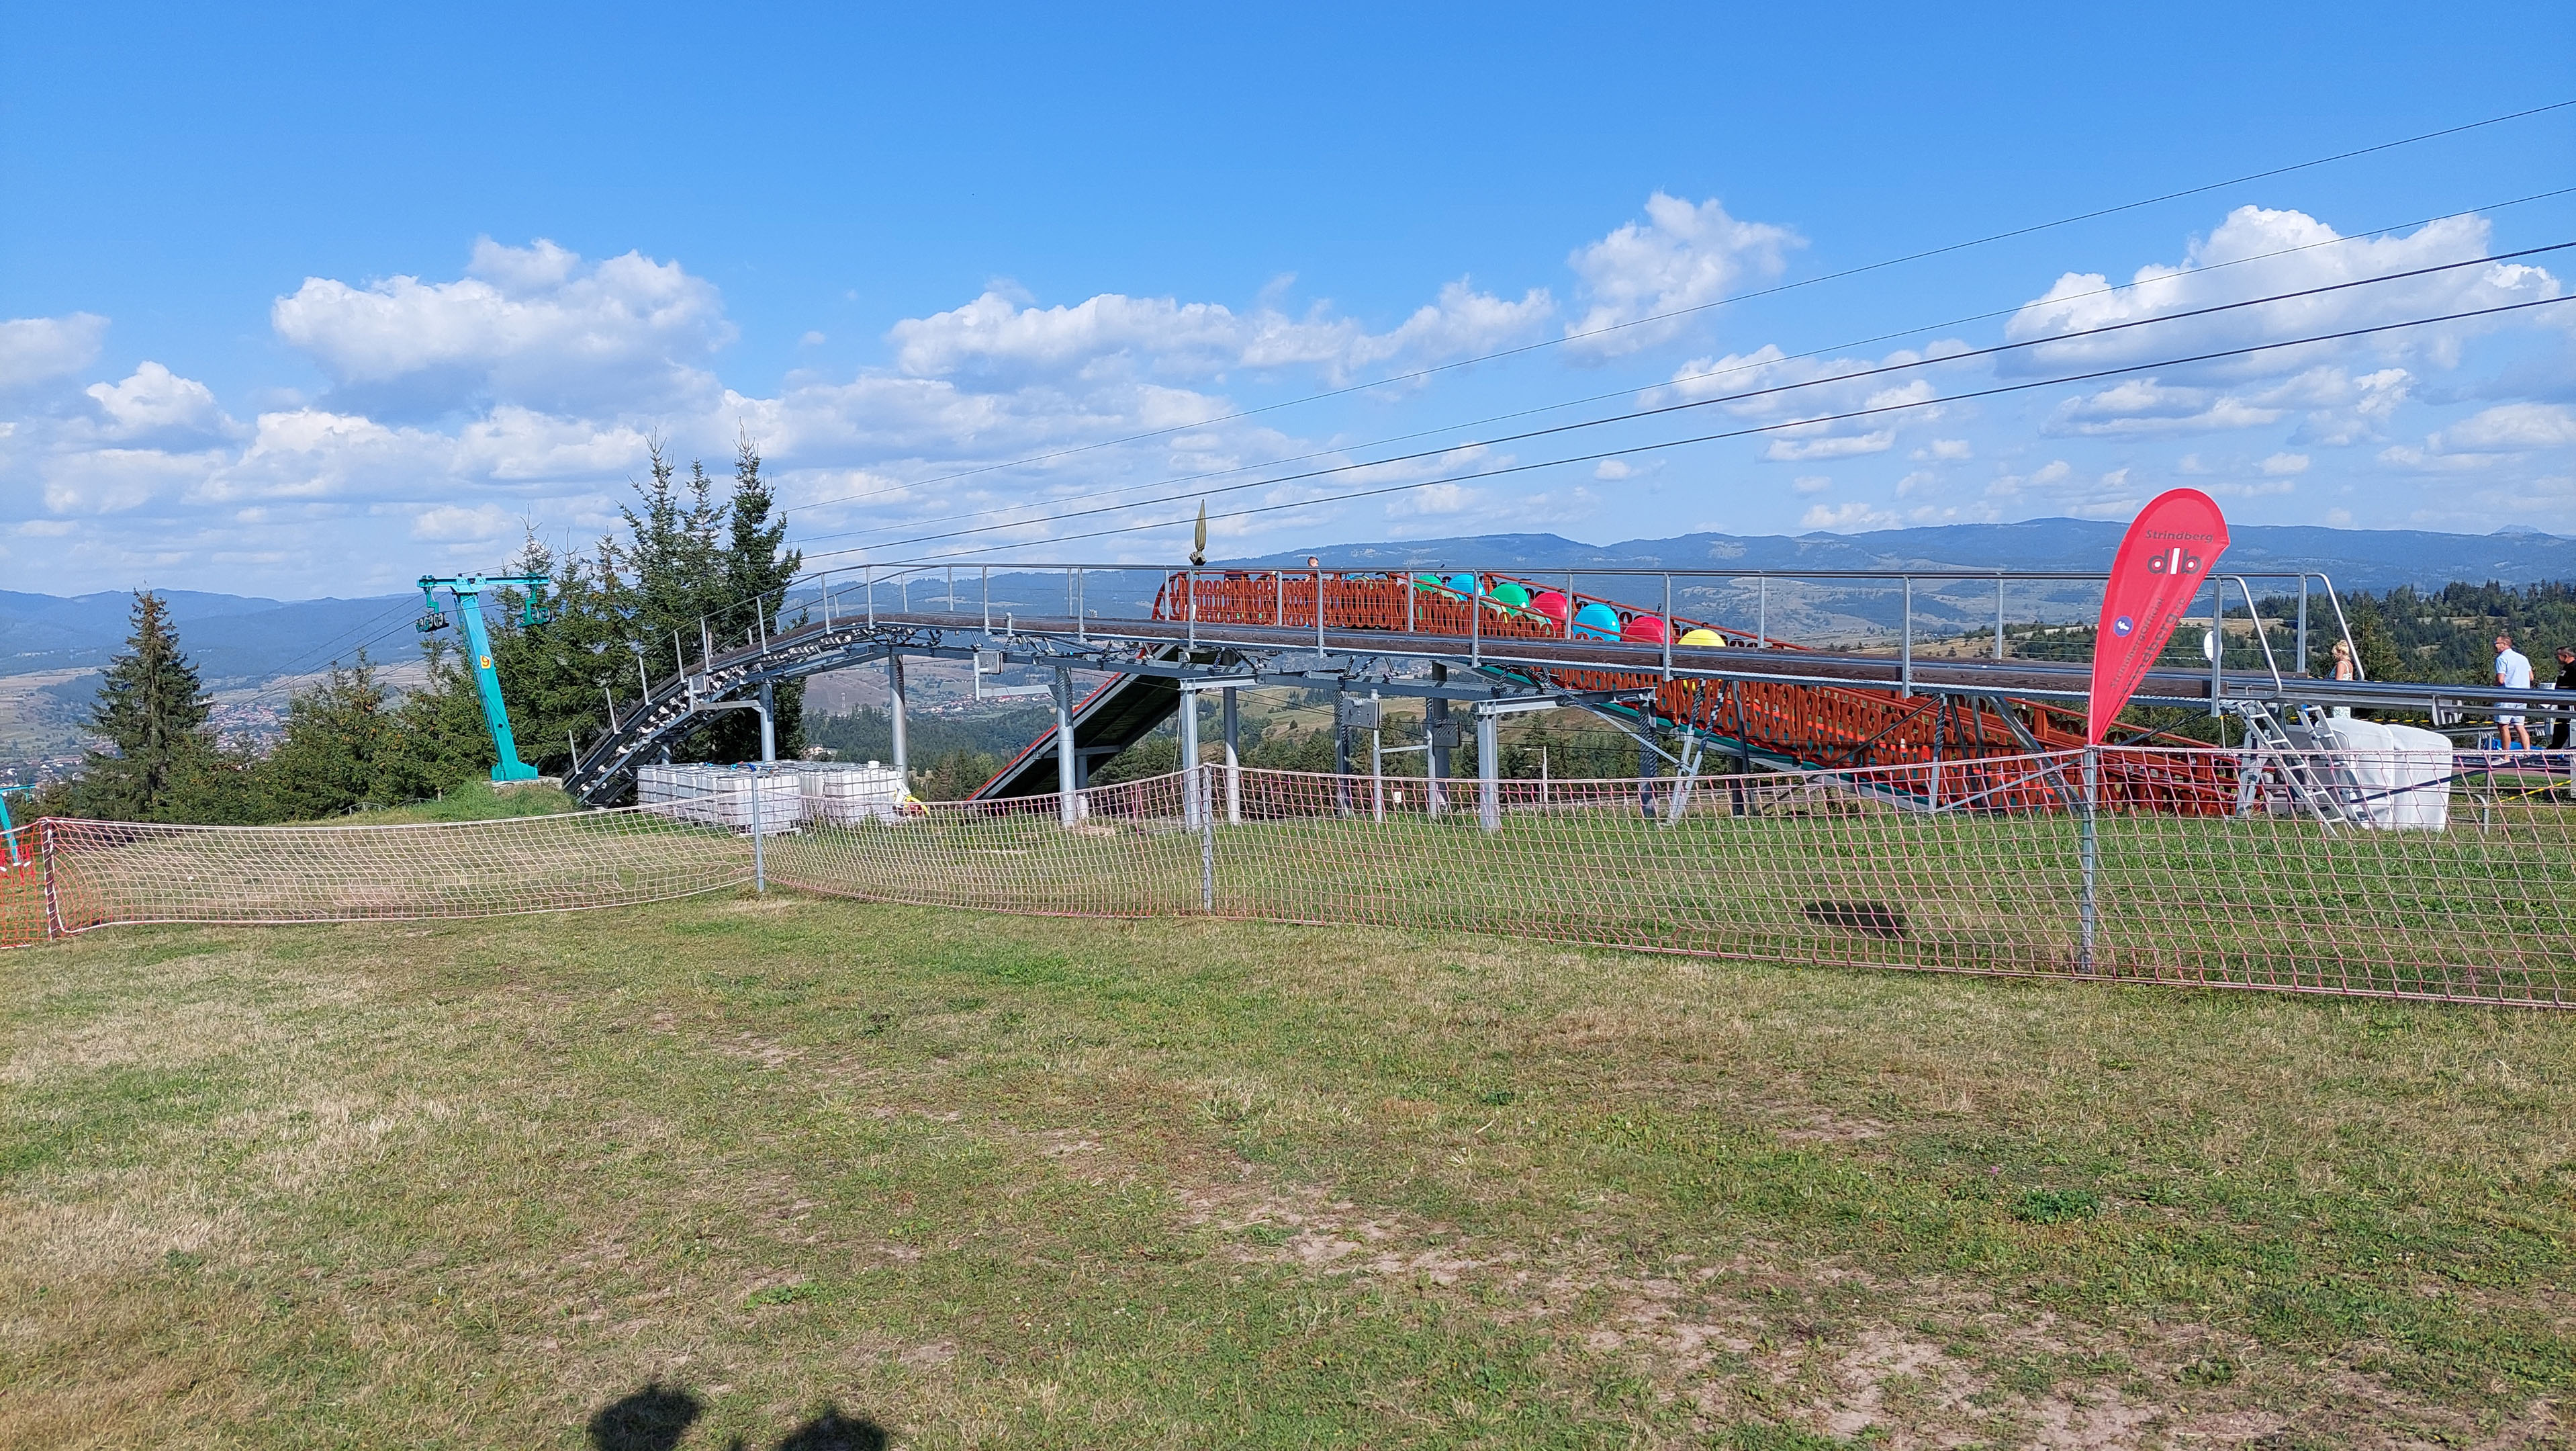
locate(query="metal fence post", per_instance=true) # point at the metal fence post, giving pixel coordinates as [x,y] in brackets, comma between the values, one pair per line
[759,863]
[1233,723]
[1999,616]
[45,843]
[1068,781]
[1207,842]
[1762,613]
[1489,787]
[2089,849]
[1377,760]
[1191,800]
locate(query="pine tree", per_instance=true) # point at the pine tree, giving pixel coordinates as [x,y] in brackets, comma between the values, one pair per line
[152,710]
[337,734]
[757,566]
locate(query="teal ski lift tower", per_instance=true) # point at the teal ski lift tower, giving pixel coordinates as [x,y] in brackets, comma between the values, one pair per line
[468,590]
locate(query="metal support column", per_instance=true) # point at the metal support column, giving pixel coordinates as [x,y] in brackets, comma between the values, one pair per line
[768,726]
[2303,624]
[895,718]
[1233,724]
[1905,662]
[1068,803]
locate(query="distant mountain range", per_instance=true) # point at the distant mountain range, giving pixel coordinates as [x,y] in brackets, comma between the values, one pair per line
[2359,559]
[239,640]
[234,639]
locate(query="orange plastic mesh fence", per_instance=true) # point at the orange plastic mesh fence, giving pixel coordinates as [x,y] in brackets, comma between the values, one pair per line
[96,873]
[2427,878]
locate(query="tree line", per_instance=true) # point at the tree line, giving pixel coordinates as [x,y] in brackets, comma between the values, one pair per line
[349,741]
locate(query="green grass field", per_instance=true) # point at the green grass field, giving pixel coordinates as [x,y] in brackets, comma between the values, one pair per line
[987,1181]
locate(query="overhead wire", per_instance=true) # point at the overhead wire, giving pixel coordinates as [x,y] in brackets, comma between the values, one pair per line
[1871,412]
[347,640]
[1675,381]
[1666,316]
[1717,400]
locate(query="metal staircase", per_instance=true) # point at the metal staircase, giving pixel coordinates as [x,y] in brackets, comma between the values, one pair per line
[2286,760]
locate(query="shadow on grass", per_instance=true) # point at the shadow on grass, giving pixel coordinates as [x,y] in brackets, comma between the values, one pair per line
[658,1416]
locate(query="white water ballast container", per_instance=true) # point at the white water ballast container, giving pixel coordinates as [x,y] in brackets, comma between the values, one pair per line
[733,797]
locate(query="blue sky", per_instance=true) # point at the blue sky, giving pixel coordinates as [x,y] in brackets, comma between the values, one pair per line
[309,301]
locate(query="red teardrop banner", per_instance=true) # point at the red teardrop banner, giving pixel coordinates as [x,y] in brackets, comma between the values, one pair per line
[2163,561]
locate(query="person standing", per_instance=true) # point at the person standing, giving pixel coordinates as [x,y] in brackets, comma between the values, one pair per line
[2513,672]
[2566,681]
[2344,669]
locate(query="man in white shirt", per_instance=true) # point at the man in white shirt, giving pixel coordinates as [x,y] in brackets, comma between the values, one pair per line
[2513,672]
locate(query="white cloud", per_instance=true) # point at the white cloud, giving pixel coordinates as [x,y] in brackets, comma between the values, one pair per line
[1682,256]
[2284,463]
[1946,450]
[1849,517]
[1812,483]
[1432,501]
[2488,439]
[1612,469]
[2511,428]
[34,349]
[117,480]
[2222,268]
[530,325]
[2141,406]
[1801,449]
[2338,518]
[996,338]
[154,400]
[451,524]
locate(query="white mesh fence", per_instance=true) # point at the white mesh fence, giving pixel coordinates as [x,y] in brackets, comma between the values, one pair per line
[2405,876]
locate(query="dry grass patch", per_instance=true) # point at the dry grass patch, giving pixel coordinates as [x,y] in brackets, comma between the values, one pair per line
[998,1181]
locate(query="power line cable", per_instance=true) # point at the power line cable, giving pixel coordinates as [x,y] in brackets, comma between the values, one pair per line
[1871,412]
[1726,398]
[1847,272]
[303,666]
[1667,383]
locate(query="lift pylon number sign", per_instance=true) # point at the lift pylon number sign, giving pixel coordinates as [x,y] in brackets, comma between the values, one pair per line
[2168,552]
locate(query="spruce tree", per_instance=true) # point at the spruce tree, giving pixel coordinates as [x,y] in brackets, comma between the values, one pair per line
[756,566]
[152,710]
[337,734]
